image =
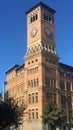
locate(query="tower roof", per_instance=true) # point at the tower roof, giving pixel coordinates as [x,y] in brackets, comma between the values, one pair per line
[42,5]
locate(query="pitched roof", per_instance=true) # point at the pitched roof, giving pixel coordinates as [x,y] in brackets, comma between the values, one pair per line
[42,5]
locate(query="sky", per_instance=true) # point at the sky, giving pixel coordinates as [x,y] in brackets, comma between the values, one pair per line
[13,38]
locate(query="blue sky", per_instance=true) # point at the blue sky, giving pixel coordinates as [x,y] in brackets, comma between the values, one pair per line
[13,31]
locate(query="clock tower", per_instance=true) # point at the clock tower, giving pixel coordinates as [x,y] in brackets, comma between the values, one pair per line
[41,63]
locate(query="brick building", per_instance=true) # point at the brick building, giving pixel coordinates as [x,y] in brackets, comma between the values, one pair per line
[41,76]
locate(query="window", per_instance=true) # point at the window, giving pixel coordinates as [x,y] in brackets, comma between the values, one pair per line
[32,97]
[36,16]
[36,97]
[32,113]
[50,20]
[29,114]
[46,60]
[20,100]
[54,83]
[44,17]
[36,60]
[49,48]
[47,96]
[54,98]
[29,98]
[33,18]
[50,61]
[28,62]
[36,69]
[68,76]
[63,101]
[37,82]
[47,18]
[32,61]
[51,82]
[62,74]
[33,83]
[36,113]
[28,83]
[32,70]
[51,96]
[62,85]
[69,102]
[68,86]
[47,81]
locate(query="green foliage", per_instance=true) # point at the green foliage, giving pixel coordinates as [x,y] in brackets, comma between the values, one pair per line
[53,115]
[11,114]
[71,118]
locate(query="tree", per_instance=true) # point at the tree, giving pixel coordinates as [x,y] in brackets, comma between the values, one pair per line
[11,114]
[53,115]
[71,117]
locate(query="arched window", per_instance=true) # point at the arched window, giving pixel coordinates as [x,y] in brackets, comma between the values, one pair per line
[36,16]
[33,18]
[37,82]
[36,97]
[34,82]
[32,113]
[31,83]
[29,114]
[32,97]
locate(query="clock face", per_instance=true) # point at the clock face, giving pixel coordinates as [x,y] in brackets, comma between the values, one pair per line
[48,31]
[33,32]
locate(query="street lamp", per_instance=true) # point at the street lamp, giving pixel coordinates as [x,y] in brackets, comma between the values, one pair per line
[4,84]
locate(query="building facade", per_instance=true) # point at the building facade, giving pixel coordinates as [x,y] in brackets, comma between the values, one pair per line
[41,76]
